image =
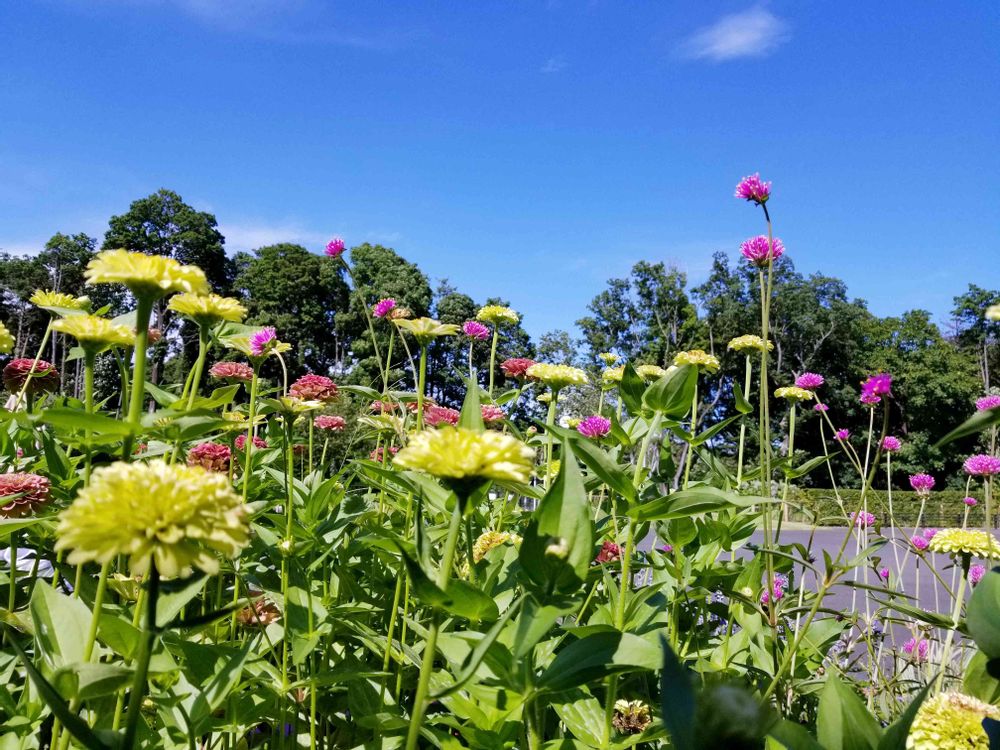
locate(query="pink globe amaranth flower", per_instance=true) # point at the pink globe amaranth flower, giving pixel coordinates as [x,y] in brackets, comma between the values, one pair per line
[809,380]
[378,455]
[21,494]
[666,548]
[971,502]
[917,649]
[754,189]
[875,387]
[987,402]
[610,552]
[758,250]
[922,483]
[330,423]
[437,415]
[842,434]
[516,367]
[492,414]
[883,573]
[594,427]
[891,444]
[982,465]
[780,582]
[262,340]
[930,533]
[383,307]
[821,407]
[210,456]
[335,247]
[241,442]
[44,376]
[919,543]
[475,330]
[870,399]
[976,573]
[313,388]
[863,519]
[233,372]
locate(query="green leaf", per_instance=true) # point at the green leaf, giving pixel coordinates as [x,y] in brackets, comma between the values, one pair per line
[978,422]
[978,682]
[462,599]
[599,462]
[535,623]
[794,736]
[160,396]
[843,722]
[631,389]
[689,502]
[597,656]
[673,393]
[896,733]
[742,405]
[61,624]
[982,615]
[72,419]
[714,430]
[472,412]
[805,468]
[677,699]
[93,680]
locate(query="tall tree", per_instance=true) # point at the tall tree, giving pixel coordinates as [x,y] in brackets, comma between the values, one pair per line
[974,332]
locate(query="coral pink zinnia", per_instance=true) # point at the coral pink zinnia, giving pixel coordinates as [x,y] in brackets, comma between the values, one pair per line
[809,380]
[492,414]
[982,465]
[210,456]
[517,367]
[594,427]
[754,189]
[241,442]
[383,307]
[234,372]
[758,250]
[22,494]
[330,423]
[435,415]
[313,388]
[475,330]
[44,378]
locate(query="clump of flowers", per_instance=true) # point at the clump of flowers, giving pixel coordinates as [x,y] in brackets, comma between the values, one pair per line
[594,426]
[863,519]
[810,381]
[650,372]
[631,717]
[475,330]
[891,444]
[241,442]
[516,367]
[210,456]
[497,315]
[922,484]
[314,388]
[982,465]
[987,402]
[439,415]
[330,423]
[335,247]
[972,542]
[749,341]
[383,307]
[21,494]
[180,517]
[39,375]
[916,649]
[557,377]
[701,359]
[760,251]
[951,721]
[232,372]
[610,552]
[794,393]
[754,189]
[146,276]
[492,414]
[455,453]
[491,540]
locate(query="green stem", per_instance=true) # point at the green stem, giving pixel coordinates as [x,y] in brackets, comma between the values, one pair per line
[743,424]
[138,389]
[371,326]
[694,427]
[493,355]
[956,615]
[550,420]
[251,416]
[421,382]
[88,397]
[149,633]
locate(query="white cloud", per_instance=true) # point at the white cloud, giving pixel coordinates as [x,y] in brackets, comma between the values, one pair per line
[253,234]
[30,247]
[555,64]
[753,33]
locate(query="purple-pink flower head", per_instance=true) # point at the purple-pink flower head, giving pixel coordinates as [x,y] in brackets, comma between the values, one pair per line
[821,407]
[976,573]
[987,402]
[884,574]
[877,385]
[754,189]
[809,380]
[759,251]
[971,502]
[335,247]
[891,444]
[869,399]
[262,340]
[982,465]
[929,533]
[842,434]
[383,307]
[863,519]
[594,427]
[922,483]
[475,330]
[916,649]
[918,542]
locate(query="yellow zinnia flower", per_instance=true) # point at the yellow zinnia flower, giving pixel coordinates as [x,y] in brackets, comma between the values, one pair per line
[557,376]
[497,315]
[701,359]
[95,334]
[613,375]
[491,539]
[180,516]
[965,542]
[6,340]
[650,372]
[424,330]
[951,721]
[608,358]
[456,453]
[145,275]
[794,393]
[749,341]
[58,302]
[993,312]
[208,309]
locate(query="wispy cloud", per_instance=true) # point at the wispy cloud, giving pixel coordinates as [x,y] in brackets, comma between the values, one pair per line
[555,64]
[250,235]
[753,33]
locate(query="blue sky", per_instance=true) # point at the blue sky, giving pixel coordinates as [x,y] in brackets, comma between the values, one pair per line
[525,149]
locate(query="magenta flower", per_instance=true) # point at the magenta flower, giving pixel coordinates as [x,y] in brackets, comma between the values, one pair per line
[666,548]
[594,427]
[809,380]
[916,649]
[875,387]
[987,402]
[891,444]
[884,574]
[335,247]
[976,573]
[758,250]
[821,407]
[982,465]
[971,502]
[863,519]
[262,340]
[922,483]
[780,582]
[930,533]
[842,434]
[475,330]
[869,399]
[383,307]
[919,543]
[754,189]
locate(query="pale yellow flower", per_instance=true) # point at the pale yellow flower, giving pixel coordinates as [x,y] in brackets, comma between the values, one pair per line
[93,333]
[965,542]
[993,312]
[208,309]
[613,375]
[497,315]
[557,376]
[650,372]
[491,539]
[749,341]
[6,340]
[59,302]
[951,721]
[425,330]
[794,393]
[456,453]
[151,276]
[698,357]
[181,517]
[608,358]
